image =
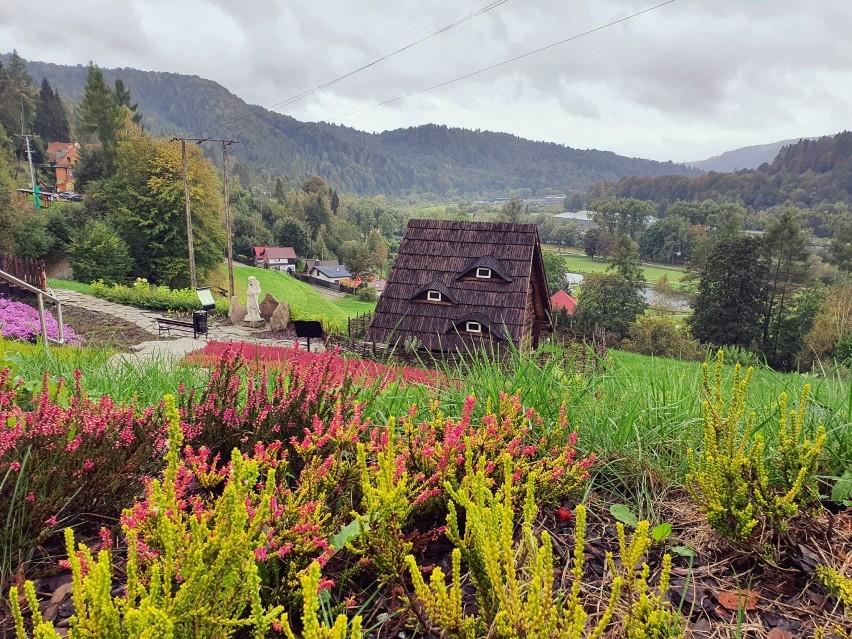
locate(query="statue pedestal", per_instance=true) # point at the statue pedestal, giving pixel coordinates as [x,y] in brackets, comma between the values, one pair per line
[258,323]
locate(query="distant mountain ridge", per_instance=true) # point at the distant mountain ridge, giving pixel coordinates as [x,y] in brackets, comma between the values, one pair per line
[423,159]
[747,157]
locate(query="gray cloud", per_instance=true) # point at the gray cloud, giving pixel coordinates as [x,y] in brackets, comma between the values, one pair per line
[689,80]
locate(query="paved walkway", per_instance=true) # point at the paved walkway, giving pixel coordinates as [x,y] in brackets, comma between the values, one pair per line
[146,320]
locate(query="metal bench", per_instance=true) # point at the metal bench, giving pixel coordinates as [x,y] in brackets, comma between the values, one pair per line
[198,325]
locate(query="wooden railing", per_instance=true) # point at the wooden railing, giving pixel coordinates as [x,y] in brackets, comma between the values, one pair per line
[25,269]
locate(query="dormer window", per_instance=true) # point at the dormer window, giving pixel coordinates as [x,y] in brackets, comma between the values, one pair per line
[473,327]
[434,296]
[483,273]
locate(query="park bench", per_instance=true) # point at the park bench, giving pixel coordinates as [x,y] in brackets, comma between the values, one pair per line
[165,324]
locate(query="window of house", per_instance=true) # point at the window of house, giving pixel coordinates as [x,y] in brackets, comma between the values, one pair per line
[473,327]
[434,296]
[483,273]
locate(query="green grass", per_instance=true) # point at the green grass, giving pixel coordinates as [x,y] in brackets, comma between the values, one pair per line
[579,263]
[69,285]
[305,302]
[638,415]
[352,306]
[124,380]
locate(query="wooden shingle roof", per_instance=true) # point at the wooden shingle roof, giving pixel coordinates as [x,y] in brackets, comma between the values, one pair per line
[443,256]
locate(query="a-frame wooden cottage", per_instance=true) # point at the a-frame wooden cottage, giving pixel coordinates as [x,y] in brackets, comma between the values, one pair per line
[457,285]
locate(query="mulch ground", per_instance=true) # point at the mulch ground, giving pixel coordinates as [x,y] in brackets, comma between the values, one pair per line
[99,329]
[765,592]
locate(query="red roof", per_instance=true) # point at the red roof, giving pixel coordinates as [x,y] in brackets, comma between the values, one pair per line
[258,252]
[280,253]
[561,299]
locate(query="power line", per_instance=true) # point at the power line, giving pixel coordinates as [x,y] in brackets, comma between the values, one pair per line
[479,71]
[264,110]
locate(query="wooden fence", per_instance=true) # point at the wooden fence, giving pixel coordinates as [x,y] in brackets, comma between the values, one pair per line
[334,286]
[30,271]
[359,325]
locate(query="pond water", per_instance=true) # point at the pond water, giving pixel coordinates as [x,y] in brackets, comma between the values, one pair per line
[678,302]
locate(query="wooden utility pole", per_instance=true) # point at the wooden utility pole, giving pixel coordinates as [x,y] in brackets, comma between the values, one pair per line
[228,229]
[227,204]
[192,281]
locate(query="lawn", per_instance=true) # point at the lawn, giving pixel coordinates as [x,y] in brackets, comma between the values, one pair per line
[69,285]
[304,300]
[579,263]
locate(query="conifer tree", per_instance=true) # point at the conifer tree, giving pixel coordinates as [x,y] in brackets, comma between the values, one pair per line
[123,98]
[50,122]
[99,115]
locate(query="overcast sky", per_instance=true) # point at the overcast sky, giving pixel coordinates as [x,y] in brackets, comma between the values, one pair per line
[684,82]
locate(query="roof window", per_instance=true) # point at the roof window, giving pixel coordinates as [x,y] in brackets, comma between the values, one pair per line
[483,273]
[434,296]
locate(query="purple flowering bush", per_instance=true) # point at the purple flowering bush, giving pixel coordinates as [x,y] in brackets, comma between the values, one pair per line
[20,321]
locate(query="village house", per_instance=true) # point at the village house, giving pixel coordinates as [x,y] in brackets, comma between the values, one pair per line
[561,300]
[329,272]
[456,285]
[277,258]
[62,158]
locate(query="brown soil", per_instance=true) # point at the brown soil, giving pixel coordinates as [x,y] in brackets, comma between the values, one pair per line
[99,329]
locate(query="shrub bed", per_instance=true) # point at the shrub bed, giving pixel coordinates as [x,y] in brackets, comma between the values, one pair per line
[141,294]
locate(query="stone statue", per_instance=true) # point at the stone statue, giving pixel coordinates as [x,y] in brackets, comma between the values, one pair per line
[252,304]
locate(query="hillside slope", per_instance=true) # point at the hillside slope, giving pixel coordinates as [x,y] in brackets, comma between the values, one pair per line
[747,157]
[424,159]
[807,174]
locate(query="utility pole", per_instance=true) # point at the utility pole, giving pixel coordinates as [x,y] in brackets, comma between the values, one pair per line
[227,205]
[192,281]
[228,229]
[34,186]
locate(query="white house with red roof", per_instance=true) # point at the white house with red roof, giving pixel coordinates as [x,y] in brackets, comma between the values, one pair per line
[277,258]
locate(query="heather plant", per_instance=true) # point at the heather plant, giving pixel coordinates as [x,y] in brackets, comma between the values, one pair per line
[730,477]
[196,574]
[387,505]
[239,406]
[21,321]
[66,459]
[514,577]
[441,450]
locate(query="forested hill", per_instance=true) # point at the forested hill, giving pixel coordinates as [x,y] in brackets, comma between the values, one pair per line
[748,157]
[425,159]
[808,173]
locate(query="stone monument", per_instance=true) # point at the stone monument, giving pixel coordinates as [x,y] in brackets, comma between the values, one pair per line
[237,312]
[268,306]
[253,317]
[280,318]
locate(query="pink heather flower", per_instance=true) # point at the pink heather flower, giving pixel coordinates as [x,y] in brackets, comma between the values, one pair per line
[260,554]
[30,497]
[15,466]
[50,522]
[325,584]
[106,537]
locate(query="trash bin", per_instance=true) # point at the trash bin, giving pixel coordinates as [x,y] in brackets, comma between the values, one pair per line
[199,323]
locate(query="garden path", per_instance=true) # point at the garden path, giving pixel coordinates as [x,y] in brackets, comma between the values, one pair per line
[146,320]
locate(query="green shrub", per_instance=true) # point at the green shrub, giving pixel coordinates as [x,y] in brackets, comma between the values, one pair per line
[141,294]
[843,349]
[736,481]
[662,337]
[202,580]
[367,294]
[98,253]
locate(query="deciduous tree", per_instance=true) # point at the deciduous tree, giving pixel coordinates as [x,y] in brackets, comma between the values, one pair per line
[608,301]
